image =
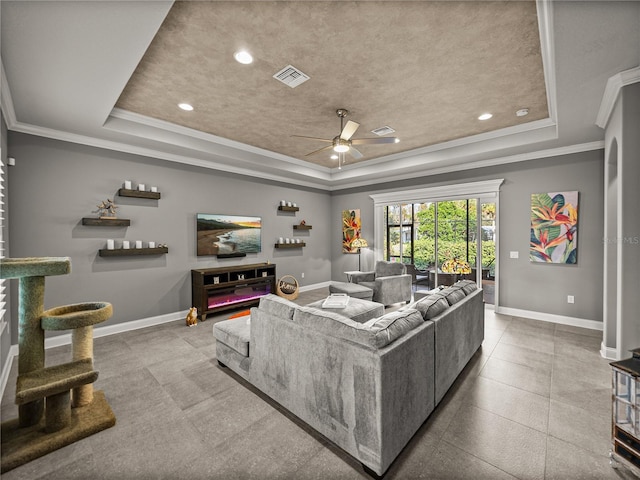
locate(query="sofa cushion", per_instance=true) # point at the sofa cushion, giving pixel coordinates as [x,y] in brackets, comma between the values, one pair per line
[234,333]
[393,325]
[467,286]
[358,310]
[387,269]
[452,294]
[278,306]
[371,334]
[431,306]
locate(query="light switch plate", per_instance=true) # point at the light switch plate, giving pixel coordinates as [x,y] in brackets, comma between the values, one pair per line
[513,254]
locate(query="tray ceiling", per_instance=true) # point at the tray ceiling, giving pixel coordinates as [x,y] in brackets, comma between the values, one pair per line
[426,69]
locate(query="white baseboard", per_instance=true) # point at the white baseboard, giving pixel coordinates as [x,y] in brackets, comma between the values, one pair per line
[608,352]
[65,339]
[314,286]
[550,317]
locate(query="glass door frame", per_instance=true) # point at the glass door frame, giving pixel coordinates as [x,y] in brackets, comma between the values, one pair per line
[487,191]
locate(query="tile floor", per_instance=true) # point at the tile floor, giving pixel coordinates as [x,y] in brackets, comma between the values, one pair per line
[533,403]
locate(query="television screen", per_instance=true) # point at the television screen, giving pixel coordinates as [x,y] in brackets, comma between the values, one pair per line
[228,234]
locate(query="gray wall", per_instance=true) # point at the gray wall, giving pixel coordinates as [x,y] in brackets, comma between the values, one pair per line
[530,286]
[5,339]
[54,184]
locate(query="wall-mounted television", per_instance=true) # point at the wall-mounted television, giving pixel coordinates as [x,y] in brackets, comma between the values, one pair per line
[228,235]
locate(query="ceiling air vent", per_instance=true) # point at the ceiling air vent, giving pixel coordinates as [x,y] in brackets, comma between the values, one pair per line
[291,76]
[386,130]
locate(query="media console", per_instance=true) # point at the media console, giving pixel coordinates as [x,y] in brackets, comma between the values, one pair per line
[224,288]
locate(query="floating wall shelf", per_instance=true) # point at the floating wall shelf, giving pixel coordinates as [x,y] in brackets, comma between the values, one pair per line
[290,245]
[123,192]
[284,208]
[106,222]
[302,227]
[129,252]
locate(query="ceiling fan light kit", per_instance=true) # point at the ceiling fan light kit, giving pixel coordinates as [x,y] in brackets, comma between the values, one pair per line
[343,143]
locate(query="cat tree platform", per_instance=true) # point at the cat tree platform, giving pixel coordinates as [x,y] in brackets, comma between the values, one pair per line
[57,405]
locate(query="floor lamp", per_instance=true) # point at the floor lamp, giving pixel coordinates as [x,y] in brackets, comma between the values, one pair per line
[359,243]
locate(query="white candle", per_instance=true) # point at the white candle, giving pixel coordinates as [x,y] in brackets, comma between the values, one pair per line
[152,244]
[141,187]
[283,202]
[281,240]
[295,204]
[125,244]
[110,244]
[286,240]
[127,184]
[288,204]
[138,243]
[154,189]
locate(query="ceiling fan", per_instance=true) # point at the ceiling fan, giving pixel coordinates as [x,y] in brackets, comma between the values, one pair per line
[343,142]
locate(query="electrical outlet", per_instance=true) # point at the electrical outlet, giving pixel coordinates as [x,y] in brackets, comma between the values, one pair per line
[513,254]
[302,275]
[570,299]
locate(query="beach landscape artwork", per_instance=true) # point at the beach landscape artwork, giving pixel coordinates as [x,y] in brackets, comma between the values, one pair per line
[554,227]
[228,234]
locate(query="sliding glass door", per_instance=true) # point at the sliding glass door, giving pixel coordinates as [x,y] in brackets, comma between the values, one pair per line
[444,240]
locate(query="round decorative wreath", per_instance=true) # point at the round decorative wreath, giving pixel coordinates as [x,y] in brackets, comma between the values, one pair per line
[288,287]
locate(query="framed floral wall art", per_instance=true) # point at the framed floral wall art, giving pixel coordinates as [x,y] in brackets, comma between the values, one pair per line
[554,227]
[350,229]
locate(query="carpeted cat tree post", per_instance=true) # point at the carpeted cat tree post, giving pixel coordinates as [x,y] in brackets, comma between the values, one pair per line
[51,392]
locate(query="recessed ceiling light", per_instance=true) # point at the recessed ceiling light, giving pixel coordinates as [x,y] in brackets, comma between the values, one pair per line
[485,116]
[522,112]
[185,106]
[334,157]
[243,57]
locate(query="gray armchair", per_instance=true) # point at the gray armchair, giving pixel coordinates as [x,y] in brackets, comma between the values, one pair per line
[390,282]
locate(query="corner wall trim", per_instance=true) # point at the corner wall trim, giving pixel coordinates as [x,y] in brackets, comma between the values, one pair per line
[612,91]
[551,317]
[608,352]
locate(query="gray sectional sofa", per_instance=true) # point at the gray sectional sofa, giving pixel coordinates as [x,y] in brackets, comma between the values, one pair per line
[367,387]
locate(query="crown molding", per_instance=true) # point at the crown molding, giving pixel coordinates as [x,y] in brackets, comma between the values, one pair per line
[612,92]
[156,126]
[522,157]
[6,102]
[439,192]
[159,154]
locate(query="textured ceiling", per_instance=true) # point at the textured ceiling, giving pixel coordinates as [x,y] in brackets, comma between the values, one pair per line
[426,69]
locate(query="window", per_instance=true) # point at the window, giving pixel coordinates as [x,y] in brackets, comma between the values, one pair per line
[3,319]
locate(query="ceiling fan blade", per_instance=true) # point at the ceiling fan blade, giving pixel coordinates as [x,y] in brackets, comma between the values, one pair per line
[372,141]
[328,147]
[314,138]
[355,153]
[348,130]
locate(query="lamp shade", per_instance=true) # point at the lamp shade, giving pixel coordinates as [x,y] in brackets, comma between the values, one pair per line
[359,243]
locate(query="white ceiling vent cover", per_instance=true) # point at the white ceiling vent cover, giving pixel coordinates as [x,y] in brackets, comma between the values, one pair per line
[291,76]
[386,130]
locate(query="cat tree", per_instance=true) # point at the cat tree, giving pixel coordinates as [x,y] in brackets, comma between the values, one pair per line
[56,405]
